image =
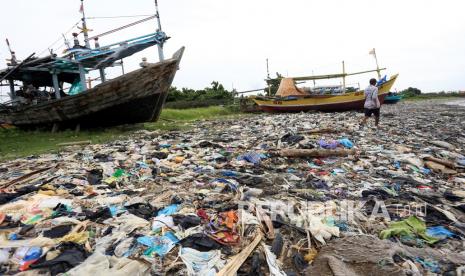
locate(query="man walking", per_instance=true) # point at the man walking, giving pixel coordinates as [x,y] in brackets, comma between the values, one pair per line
[372,104]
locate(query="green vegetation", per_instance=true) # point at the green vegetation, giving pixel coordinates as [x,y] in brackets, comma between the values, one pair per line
[433,97]
[197,113]
[410,92]
[16,143]
[415,94]
[190,98]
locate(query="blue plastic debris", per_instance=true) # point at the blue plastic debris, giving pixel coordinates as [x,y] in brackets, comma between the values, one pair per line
[342,225]
[396,187]
[229,173]
[432,266]
[145,240]
[116,210]
[161,245]
[346,143]
[439,232]
[164,244]
[397,164]
[33,253]
[425,171]
[252,157]
[168,210]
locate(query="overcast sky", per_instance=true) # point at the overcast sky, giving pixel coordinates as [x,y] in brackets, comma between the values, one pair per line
[229,41]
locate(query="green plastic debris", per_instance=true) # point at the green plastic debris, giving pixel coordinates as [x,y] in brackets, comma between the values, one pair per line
[410,227]
[119,173]
[33,220]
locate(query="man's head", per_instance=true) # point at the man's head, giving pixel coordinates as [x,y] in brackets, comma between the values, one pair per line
[373,81]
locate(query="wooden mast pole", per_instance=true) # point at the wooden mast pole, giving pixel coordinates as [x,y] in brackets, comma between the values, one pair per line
[85,31]
[377,65]
[314,82]
[84,26]
[161,55]
[268,76]
[343,77]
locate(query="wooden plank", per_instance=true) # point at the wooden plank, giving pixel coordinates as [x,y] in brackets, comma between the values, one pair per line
[78,143]
[236,261]
[316,152]
[23,178]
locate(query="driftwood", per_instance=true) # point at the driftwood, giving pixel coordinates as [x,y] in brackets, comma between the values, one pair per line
[23,178]
[78,143]
[439,168]
[443,144]
[316,152]
[325,130]
[440,161]
[236,262]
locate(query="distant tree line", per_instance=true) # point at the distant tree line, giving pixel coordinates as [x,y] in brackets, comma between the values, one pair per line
[410,92]
[415,92]
[216,94]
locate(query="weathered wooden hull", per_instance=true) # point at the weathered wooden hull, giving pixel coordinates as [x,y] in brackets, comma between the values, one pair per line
[135,97]
[345,102]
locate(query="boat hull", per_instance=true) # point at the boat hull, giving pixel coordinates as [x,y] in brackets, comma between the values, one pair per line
[135,97]
[392,99]
[345,102]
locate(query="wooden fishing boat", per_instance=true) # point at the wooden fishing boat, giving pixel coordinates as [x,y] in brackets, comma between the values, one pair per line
[290,98]
[302,102]
[134,97]
[39,97]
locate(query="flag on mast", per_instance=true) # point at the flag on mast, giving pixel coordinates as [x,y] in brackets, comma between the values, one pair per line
[372,52]
[81,9]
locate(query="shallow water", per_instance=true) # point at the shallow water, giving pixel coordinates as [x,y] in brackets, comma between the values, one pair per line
[457,102]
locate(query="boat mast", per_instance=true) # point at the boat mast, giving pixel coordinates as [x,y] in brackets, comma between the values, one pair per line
[344,77]
[13,62]
[84,25]
[160,45]
[314,82]
[268,76]
[373,52]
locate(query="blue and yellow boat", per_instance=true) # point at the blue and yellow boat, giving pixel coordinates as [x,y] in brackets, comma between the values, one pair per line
[290,98]
[392,98]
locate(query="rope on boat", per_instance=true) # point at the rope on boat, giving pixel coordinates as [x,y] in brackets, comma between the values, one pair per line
[58,40]
[120,16]
[124,27]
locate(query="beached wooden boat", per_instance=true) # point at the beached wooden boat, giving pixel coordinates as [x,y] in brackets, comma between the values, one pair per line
[135,97]
[290,98]
[302,102]
[54,90]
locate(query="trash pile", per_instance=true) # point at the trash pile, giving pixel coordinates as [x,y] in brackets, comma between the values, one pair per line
[286,194]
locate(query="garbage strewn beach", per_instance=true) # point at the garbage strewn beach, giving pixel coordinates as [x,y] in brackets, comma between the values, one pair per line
[286,194]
